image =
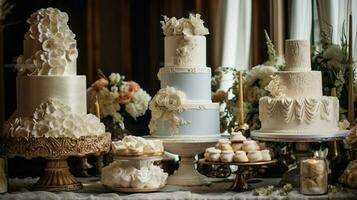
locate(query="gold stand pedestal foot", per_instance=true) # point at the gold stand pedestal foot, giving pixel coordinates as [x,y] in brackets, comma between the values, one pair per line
[57,177]
[240,182]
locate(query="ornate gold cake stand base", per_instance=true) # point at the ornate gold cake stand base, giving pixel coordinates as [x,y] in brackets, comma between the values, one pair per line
[243,173]
[57,177]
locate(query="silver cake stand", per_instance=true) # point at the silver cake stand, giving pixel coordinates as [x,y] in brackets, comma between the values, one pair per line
[187,148]
[301,148]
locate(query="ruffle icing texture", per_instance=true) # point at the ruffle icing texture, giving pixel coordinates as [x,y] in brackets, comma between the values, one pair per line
[49,46]
[301,110]
[54,119]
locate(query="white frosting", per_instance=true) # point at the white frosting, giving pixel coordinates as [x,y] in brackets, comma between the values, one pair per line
[49,46]
[298,84]
[185,51]
[31,91]
[166,105]
[302,114]
[124,175]
[54,119]
[137,145]
[297,55]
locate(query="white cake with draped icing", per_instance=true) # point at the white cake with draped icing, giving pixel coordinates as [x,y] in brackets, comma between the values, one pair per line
[297,104]
[47,68]
[183,105]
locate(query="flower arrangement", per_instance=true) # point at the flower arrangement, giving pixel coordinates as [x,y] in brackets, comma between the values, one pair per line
[331,60]
[255,82]
[193,25]
[166,105]
[117,98]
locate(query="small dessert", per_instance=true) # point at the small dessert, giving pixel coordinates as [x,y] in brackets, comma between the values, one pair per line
[224,145]
[125,175]
[237,146]
[254,156]
[250,145]
[265,155]
[227,156]
[240,156]
[137,146]
[237,137]
[212,154]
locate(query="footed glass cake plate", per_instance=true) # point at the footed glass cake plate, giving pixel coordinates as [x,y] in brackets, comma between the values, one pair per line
[56,176]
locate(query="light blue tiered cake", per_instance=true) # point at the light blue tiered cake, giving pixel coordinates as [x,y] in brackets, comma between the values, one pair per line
[183,105]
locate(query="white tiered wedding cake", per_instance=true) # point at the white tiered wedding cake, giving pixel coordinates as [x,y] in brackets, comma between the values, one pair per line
[51,98]
[183,105]
[297,105]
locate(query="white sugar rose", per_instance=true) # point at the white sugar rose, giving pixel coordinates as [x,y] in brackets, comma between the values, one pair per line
[173,102]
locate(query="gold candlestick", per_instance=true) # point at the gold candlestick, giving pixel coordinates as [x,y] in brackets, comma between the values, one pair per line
[97,108]
[240,105]
[351,113]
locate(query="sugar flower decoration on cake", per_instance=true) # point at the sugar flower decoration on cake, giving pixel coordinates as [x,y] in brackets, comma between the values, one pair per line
[52,44]
[275,87]
[54,119]
[193,25]
[166,105]
[117,98]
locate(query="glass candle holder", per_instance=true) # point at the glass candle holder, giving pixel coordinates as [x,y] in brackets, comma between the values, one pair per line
[313,176]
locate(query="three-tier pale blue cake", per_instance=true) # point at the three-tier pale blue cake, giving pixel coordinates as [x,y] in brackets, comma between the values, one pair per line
[183,105]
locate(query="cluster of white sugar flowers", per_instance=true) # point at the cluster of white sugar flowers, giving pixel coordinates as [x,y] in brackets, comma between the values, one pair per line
[139,104]
[166,105]
[184,26]
[53,42]
[54,119]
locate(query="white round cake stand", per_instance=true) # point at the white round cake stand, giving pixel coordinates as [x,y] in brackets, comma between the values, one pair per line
[302,150]
[187,148]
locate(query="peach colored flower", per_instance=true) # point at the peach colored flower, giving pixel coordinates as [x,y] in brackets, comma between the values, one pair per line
[100,84]
[123,98]
[131,87]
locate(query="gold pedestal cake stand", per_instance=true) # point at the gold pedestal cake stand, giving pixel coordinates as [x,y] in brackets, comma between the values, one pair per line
[301,149]
[244,170]
[56,176]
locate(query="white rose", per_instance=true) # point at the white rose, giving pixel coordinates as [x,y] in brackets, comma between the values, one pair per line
[114,78]
[173,102]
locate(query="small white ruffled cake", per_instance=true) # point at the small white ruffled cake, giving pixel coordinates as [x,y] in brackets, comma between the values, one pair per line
[212,154]
[137,146]
[124,175]
[250,145]
[254,156]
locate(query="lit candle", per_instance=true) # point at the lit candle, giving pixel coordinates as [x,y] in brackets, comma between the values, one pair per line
[97,108]
[240,105]
[351,109]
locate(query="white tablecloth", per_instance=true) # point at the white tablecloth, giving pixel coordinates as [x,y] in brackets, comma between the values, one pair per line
[217,190]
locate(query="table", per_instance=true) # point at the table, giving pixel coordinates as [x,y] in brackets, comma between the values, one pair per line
[93,189]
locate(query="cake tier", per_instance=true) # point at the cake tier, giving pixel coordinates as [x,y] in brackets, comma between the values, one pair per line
[297,55]
[185,51]
[32,46]
[299,114]
[202,118]
[34,90]
[194,82]
[301,84]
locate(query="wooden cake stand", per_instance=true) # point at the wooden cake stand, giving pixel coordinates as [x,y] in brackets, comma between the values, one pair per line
[56,176]
[244,169]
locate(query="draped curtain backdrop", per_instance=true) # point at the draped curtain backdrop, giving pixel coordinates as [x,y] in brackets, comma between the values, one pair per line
[300,19]
[332,14]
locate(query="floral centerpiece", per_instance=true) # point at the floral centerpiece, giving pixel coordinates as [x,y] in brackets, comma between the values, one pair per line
[117,99]
[255,81]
